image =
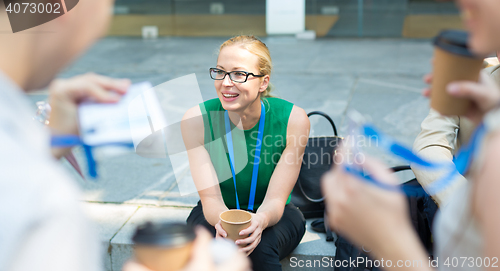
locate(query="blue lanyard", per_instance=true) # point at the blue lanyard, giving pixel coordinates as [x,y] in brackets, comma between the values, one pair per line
[460,165]
[464,158]
[67,141]
[256,162]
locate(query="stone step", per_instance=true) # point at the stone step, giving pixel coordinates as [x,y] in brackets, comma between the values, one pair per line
[116,223]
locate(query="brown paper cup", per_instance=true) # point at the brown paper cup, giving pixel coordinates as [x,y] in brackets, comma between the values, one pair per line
[234,221]
[163,259]
[163,246]
[448,68]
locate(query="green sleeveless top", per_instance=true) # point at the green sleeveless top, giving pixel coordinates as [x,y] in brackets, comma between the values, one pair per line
[244,145]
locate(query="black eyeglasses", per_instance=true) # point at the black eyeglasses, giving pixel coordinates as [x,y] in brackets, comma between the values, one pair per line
[235,76]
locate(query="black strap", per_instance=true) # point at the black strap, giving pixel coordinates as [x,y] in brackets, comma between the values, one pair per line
[400,168]
[328,231]
[326,117]
[318,225]
[307,197]
[409,182]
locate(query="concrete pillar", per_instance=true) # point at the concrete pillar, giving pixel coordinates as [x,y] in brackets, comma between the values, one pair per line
[285,16]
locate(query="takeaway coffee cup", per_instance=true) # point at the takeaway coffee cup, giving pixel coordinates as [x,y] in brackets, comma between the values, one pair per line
[234,221]
[453,61]
[163,246]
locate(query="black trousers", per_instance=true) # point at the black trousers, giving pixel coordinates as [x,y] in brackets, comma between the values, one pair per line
[277,241]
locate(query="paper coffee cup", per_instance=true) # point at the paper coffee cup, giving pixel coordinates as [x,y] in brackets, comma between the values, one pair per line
[234,221]
[163,246]
[453,61]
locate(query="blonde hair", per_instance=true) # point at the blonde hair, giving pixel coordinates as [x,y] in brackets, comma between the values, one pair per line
[258,48]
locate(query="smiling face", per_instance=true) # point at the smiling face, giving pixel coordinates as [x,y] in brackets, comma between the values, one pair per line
[238,96]
[482,18]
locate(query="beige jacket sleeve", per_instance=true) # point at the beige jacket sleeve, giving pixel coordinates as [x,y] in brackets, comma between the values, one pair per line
[437,141]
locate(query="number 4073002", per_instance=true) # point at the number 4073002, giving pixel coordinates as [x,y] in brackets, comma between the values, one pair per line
[34,8]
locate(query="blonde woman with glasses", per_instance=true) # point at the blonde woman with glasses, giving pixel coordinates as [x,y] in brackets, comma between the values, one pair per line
[257,164]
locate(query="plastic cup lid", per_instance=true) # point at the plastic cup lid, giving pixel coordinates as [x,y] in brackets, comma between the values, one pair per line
[455,42]
[163,234]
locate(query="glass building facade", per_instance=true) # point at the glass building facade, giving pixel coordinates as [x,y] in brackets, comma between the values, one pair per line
[329,18]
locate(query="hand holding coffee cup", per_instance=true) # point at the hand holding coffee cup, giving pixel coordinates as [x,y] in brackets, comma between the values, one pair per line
[242,227]
[254,232]
[484,95]
[453,62]
[233,222]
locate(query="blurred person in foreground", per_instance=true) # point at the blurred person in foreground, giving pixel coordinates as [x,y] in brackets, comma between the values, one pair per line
[468,225]
[440,139]
[42,225]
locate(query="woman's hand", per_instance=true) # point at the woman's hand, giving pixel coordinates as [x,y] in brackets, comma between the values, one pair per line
[484,94]
[257,226]
[219,231]
[366,214]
